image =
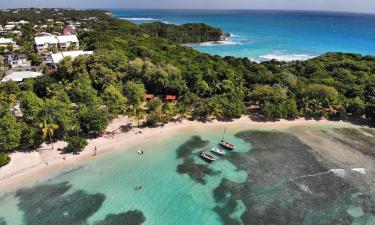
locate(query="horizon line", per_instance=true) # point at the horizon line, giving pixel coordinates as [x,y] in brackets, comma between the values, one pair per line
[191,9]
[252,9]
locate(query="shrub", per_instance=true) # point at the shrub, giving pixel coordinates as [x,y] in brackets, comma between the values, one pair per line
[75,144]
[4,159]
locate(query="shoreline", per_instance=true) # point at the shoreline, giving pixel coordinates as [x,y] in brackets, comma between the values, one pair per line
[30,167]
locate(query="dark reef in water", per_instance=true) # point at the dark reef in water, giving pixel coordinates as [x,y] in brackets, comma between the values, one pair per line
[196,172]
[187,148]
[2,222]
[286,186]
[129,218]
[50,204]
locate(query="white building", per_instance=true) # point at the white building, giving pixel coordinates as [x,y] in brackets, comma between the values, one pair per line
[9,27]
[5,42]
[23,22]
[42,43]
[58,57]
[67,41]
[45,42]
[20,76]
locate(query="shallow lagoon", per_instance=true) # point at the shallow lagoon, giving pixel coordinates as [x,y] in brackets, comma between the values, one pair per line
[266,181]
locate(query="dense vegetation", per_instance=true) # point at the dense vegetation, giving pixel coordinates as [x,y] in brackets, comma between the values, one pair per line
[186,33]
[82,96]
[36,15]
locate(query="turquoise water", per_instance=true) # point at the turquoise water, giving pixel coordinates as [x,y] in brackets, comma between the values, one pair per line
[263,35]
[166,197]
[262,182]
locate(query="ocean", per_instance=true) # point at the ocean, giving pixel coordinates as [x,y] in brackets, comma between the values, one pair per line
[271,178]
[263,35]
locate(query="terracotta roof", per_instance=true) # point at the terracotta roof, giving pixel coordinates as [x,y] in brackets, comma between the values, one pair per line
[149,96]
[170,97]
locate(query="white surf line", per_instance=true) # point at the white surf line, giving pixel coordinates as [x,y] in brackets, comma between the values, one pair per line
[337,172]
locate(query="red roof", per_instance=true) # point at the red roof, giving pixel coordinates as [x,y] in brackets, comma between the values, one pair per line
[170,97]
[149,96]
[69,30]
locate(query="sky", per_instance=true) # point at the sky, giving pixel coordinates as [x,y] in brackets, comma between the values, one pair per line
[367,6]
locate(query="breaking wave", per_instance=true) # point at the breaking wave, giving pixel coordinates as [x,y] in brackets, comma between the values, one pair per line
[286,58]
[214,43]
[139,19]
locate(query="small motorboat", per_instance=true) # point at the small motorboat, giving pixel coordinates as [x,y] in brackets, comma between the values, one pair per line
[140,152]
[227,145]
[218,151]
[207,157]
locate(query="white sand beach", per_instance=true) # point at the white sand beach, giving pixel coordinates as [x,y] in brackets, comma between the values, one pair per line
[26,167]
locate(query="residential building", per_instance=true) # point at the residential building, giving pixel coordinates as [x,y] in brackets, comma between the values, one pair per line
[68,41]
[18,60]
[21,75]
[5,42]
[171,98]
[9,27]
[22,22]
[46,42]
[70,30]
[149,97]
[58,57]
[43,43]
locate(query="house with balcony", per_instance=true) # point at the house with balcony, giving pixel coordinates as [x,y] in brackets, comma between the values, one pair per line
[47,41]
[68,41]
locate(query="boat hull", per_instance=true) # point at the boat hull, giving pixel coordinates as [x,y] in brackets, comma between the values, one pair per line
[207,157]
[227,145]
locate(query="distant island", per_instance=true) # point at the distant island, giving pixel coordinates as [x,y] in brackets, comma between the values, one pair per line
[94,68]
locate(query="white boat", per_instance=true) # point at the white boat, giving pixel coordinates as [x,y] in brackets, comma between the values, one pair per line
[218,151]
[140,152]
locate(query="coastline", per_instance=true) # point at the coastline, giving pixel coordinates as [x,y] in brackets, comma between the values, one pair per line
[30,167]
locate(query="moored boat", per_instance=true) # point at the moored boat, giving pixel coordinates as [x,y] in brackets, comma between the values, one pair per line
[218,151]
[207,157]
[227,145]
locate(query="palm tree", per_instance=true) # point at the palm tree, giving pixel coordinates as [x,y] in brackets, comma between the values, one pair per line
[217,112]
[130,112]
[48,130]
[139,114]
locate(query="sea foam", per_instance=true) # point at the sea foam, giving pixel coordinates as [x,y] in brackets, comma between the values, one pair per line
[286,57]
[139,19]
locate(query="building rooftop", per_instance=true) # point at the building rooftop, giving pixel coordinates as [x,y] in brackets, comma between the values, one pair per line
[67,38]
[46,39]
[58,57]
[6,41]
[20,76]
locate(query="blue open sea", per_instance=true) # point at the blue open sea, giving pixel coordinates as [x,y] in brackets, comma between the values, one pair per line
[263,35]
